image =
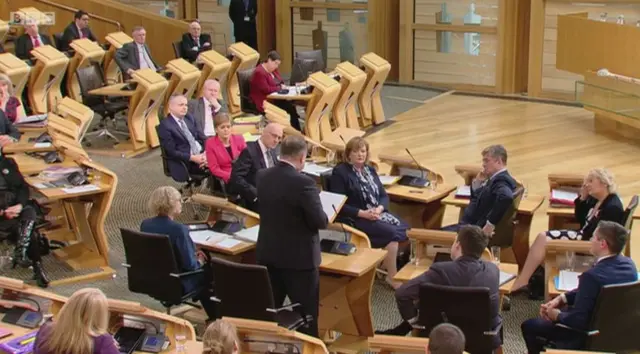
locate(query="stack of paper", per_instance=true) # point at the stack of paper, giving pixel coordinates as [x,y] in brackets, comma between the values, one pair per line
[248,235]
[389,180]
[463,192]
[316,170]
[81,189]
[562,198]
[505,277]
[332,203]
[207,237]
[228,243]
[247,120]
[568,280]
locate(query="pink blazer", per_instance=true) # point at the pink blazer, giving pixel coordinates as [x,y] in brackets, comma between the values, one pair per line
[218,158]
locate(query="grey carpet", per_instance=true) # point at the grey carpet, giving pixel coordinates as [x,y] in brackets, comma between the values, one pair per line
[138,177]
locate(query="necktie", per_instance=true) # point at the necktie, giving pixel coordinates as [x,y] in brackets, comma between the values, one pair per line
[213,110]
[270,161]
[147,60]
[197,41]
[193,144]
[81,34]
[36,42]
[246,5]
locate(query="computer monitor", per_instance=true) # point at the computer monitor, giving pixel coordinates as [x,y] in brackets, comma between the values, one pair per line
[301,70]
[315,55]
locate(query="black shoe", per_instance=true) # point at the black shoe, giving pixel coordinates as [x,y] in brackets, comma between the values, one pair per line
[39,275]
[400,330]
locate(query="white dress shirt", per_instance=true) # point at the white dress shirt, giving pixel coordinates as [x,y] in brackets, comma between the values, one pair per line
[209,129]
[265,153]
[143,57]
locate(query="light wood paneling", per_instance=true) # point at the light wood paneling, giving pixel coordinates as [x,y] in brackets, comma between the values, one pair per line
[426,10]
[155,7]
[406,44]
[215,20]
[383,27]
[540,139]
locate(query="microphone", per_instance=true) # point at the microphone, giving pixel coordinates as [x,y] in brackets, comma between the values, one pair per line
[416,182]
[341,138]
[346,236]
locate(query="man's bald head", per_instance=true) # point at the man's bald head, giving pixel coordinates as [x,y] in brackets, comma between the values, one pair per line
[211,90]
[195,29]
[178,106]
[271,135]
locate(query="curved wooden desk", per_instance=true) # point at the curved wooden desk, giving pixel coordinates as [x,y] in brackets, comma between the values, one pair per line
[44,81]
[111,69]
[215,66]
[371,110]
[244,57]
[86,52]
[17,71]
[183,81]
[390,344]
[352,80]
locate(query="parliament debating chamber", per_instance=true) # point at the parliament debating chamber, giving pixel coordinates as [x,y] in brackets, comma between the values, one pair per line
[314,176]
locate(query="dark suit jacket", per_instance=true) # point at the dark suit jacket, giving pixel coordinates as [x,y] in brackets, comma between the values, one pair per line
[245,169]
[617,269]
[24,45]
[128,57]
[187,44]
[196,109]
[262,85]
[183,248]
[611,209]
[237,13]
[15,182]
[491,201]
[7,128]
[176,145]
[290,216]
[344,181]
[70,34]
[464,271]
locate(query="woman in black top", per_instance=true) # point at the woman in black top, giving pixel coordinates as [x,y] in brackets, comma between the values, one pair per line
[597,201]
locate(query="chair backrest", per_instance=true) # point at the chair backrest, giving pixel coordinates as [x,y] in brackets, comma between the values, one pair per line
[469,308]
[57,40]
[629,211]
[244,290]
[617,317]
[163,155]
[244,84]
[503,235]
[301,70]
[90,77]
[149,272]
[177,49]
[316,55]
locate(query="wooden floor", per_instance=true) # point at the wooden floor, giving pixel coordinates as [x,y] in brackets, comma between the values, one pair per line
[539,138]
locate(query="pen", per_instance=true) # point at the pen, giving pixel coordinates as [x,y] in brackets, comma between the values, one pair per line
[27,341]
[207,239]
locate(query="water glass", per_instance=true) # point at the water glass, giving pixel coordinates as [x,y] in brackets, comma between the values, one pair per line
[331,158]
[570,257]
[495,253]
[413,259]
[181,343]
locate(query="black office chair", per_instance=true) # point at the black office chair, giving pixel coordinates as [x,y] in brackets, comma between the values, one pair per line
[92,77]
[615,320]
[155,273]
[193,180]
[316,55]
[244,83]
[468,308]
[57,40]
[301,69]
[177,49]
[244,291]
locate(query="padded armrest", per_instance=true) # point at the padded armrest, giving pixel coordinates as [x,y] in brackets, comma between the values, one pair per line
[591,333]
[186,274]
[494,332]
[287,307]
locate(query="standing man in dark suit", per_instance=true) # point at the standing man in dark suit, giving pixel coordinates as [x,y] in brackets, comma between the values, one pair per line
[288,242]
[610,268]
[135,55]
[182,142]
[258,155]
[466,270]
[77,29]
[243,15]
[30,40]
[491,192]
[205,108]
[194,42]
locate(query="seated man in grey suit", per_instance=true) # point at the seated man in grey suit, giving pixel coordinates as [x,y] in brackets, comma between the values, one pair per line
[135,55]
[205,108]
[466,270]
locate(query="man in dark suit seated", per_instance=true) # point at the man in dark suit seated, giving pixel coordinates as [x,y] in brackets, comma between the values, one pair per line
[30,40]
[205,108]
[77,29]
[610,268]
[491,192]
[182,142]
[466,270]
[256,156]
[291,215]
[135,55]
[194,42]
[8,132]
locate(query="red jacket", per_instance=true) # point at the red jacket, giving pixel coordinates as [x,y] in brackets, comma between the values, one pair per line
[218,158]
[262,85]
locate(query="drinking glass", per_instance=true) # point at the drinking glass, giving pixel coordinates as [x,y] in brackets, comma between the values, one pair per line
[570,257]
[495,252]
[181,343]
[414,252]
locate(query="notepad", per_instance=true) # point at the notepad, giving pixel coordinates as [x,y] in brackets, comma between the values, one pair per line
[42,145]
[560,197]
[389,180]
[81,189]
[249,234]
[505,277]
[314,169]
[228,243]
[332,203]
[463,192]
[568,280]
[5,332]
[207,236]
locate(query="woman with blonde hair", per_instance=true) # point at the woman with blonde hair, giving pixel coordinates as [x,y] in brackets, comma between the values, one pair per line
[9,103]
[166,204]
[79,328]
[597,201]
[221,337]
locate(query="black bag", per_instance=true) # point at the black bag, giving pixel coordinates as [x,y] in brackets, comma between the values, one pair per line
[536,284]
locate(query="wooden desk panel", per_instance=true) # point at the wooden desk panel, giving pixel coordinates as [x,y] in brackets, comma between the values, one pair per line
[419,207]
[115,90]
[355,265]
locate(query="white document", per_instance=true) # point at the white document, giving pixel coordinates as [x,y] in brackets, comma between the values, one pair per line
[331,202]
[388,180]
[563,195]
[249,234]
[568,280]
[314,169]
[463,191]
[42,145]
[228,243]
[207,236]
[40,185]
[81,189]
[505,277]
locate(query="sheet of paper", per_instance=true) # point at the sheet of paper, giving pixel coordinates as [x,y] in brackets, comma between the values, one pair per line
[314,169]
[563,195]
[207,236]
[568,280]
[505,277]
[228,243]
[40,185]
[250,137]
[463,191]
[81,189]
[331,201]
[389,180]
[249,234]
[42,145]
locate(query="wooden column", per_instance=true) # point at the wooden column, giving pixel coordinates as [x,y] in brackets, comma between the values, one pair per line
[383,26]
[266,27]
[536,47]
[513,32]
[405,42]
[284,37]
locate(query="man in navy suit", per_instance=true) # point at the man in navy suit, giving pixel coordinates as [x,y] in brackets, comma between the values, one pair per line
[491,192]
[77,29]
[610,268]
[182,141]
